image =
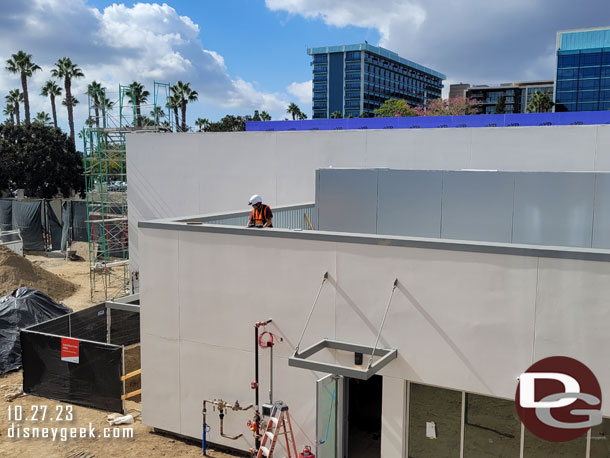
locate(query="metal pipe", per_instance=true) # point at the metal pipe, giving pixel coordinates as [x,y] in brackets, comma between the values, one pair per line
[271,375]
[258,324]
[222,416]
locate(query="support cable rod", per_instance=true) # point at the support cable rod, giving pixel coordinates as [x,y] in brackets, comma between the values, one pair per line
[324,278]
[382,323]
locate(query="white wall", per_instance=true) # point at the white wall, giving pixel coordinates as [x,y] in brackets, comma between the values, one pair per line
[185,174]
[459,319]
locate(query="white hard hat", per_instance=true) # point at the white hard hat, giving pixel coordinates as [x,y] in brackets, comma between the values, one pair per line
[255,199]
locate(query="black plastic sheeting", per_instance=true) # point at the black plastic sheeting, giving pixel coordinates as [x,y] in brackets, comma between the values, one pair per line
[6,215]
[27,217]
[54,226]
[78,218]
[95,381]
[25,307]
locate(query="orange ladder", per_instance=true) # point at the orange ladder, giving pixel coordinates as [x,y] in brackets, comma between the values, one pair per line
[279,423]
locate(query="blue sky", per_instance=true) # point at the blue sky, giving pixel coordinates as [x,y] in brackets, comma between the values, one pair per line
[242,55]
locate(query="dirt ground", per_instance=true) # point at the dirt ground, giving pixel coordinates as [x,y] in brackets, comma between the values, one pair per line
[144,443]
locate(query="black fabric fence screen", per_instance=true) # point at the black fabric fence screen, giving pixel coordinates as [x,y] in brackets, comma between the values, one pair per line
[40,227]
[92,380]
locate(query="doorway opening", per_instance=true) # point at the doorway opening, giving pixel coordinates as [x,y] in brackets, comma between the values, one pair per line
[363,417]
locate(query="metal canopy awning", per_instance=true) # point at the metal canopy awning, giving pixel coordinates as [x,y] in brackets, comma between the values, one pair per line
[300,359]
[386,354]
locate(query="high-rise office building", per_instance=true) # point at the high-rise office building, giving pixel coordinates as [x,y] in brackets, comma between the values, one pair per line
[583,70]
[357,79]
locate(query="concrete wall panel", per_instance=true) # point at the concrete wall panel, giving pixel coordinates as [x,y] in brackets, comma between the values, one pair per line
[572,315]
[601,211]
[548,148]
[184,174]
[404,194]
[160,254]
[478,206]
[223,273]
[553,209]
[348,200]
[161,381]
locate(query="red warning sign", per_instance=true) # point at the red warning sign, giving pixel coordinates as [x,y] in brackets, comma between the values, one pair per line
[69,350]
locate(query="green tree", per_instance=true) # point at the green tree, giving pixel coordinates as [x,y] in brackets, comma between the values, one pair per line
[157,113]
[540,103]
[449,107]
[293,110]
[42,118]
[336,115]
[301,116]
[202,123]
[96,92]
[73,101]
[137,96]
[256,116]
[15,97]
[394,108]
[9,110]
[265,116]
[22,63]
[500,105]
[229,123]
[173,101]
[66,69]
[51,90]
[40,159]
[185,94]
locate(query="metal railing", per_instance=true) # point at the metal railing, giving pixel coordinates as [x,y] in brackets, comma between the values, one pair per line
[285,217]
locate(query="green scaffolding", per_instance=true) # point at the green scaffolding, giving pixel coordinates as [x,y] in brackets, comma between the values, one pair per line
[105,172]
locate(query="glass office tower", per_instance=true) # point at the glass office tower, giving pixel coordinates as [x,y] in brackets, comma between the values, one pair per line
[583,70]
[357,79]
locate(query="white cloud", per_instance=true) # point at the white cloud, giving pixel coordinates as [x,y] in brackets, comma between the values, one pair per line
[360,13]
[302,91]
[474,41]
[120,44]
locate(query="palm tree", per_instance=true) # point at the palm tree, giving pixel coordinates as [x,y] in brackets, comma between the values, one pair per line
[96,92]
[51,90]
[157,113]
[173,101]
[293,110]
[265,116]
[9,110]
[22,63]
[15,97]
[186,94]
[67,70]
[540,103]
[72,101]
[301,115]
[202,123]
[336,115]
[42,118]
[137,96]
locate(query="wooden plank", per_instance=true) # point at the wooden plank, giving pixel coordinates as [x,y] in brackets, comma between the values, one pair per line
[308,221]
[132,394]
[131,374]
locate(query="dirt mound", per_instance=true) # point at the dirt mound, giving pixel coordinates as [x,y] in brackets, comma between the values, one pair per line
[16,271]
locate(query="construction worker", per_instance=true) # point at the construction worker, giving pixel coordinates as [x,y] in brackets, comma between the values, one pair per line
[261,215]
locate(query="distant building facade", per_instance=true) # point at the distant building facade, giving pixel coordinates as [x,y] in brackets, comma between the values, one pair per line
[583,70]
[458,91]
[356,79]
[516,95]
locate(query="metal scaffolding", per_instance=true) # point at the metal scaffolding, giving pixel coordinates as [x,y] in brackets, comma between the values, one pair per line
[105,170]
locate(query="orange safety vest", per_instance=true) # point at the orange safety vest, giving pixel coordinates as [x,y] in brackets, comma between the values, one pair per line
[259,217]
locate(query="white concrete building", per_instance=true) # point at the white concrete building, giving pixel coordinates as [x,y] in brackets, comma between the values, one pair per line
[466,317]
